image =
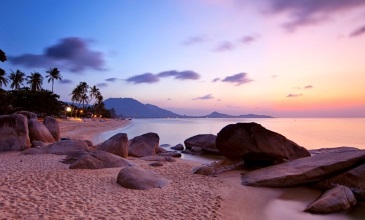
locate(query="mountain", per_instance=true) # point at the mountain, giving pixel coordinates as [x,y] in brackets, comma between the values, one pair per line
[131,108]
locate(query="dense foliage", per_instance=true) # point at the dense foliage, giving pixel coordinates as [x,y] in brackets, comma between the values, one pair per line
[44,102]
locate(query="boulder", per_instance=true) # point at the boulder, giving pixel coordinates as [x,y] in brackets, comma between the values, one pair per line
[137,178]
[204,141]
[160,150]
[218,167]
[178,147]
[304,170]
[257,145]
[29,115]
[61,148]
[354,179]
[158,158]
[337,199]
[99,160]
[39,132]
[14,133]
[118,145]
[156,164]
[144,145]
[53,127]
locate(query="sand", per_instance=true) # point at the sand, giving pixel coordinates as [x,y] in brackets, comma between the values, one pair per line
[40,187]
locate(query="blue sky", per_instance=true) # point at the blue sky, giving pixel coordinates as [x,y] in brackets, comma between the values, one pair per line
[299,58]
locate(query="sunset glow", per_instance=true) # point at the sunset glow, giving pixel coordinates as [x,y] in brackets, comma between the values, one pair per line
[272,57]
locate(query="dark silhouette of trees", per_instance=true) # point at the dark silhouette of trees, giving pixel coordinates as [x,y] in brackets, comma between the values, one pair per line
[53,74]
[16,79]
[3,79]
[2,56]
[35,80]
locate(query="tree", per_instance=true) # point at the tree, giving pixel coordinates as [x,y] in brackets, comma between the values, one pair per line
[17,79]
[53,74]
[2,56]
[3,79]
[35,80]
[94,92]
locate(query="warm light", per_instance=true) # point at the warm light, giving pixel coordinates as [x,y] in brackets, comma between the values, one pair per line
[101,116]
[81,111]
[68,109]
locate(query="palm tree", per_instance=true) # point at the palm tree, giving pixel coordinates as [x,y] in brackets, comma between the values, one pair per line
[53,74]
[17,79]
[35,80]
[3,79]
[2,56]
[94,92]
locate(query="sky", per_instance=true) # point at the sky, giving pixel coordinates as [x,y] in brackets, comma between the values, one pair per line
[302,58]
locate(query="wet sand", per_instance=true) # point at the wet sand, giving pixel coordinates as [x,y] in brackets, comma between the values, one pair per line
[40,187]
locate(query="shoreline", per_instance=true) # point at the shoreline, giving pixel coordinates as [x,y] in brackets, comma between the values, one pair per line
[41,187]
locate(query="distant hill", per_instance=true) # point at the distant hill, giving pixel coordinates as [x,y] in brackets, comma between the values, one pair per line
[131,108]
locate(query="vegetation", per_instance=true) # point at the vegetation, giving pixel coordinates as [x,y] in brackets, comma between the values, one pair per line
[44,102]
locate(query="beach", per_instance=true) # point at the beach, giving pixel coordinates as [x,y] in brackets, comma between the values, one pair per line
[41,187]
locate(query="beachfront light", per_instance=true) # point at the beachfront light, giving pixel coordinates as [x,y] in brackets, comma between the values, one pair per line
[68,109]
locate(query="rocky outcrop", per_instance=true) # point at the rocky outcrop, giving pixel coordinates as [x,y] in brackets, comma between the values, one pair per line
[29,115]
[144,145]
[331,150]
[118,145]
[337,199]
[61,148]
[39,132]
[53,127]
[98,160]
[137,178]
[257,145]
[218,167]
[170,154]
[204,141]
[158,158]
[14,133]
[178,147]
[354,179]
[304,170]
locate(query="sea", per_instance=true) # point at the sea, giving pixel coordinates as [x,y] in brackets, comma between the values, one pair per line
[311,133]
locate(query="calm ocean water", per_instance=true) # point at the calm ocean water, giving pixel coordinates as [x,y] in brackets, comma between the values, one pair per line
[310,133]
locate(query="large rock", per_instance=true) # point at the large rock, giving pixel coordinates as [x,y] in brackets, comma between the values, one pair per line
[14,133]
[304,170]
[354,179]
[61,148]
[137,178]
[204,141]
[337,199]
[218,167]
[158,158]
[39,132]
[29,115]
[257,145]
[53,127]
[118,145]
[144,145]
[99,160]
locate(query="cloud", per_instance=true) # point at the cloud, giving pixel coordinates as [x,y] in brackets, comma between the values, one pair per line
[209,96]
[239,78]
[309,12]
[293,95]
[194,40]
[143,78]
[308,87]
[248,39]
[70,53]
[216,80]
[111,79]
[101,85]
[181,75]
[65,81]
[224,46]
[358,32]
